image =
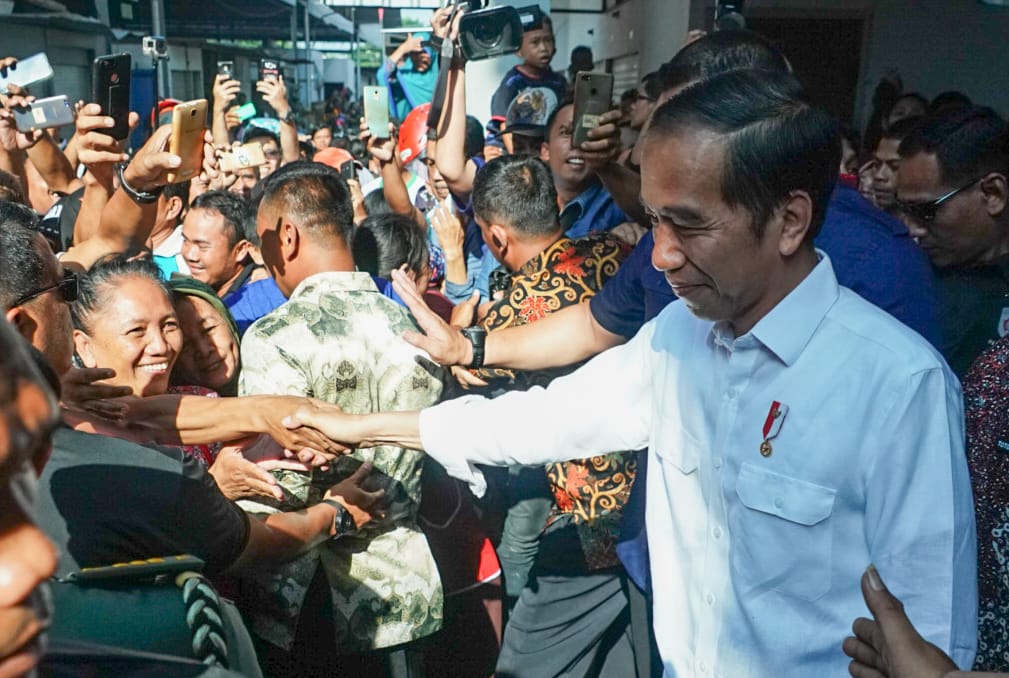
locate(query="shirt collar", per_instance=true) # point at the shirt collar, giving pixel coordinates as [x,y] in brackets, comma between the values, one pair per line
[335,281]
[585,197]
[789,326]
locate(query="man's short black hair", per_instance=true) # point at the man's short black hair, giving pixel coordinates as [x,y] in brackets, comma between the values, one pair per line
[233,208]
[775,141]
[721,52]
[314,195]
[966,143]
[518,192]
[566,100]
[901,129]
[258,133]
[24,269]
[949,100]
[651,85]
[180,191]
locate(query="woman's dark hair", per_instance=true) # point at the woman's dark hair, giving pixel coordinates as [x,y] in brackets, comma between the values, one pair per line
[97,286]
[775,142]
[384,242]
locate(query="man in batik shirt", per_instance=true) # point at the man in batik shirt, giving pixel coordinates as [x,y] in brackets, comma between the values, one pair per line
[339,339]
[577,583]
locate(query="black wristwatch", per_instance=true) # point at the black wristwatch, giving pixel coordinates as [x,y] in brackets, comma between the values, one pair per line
[478,338]
[343,522]
[139,197]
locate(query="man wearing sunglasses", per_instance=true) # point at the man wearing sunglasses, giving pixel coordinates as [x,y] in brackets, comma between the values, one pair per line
[952,187]
[36,291]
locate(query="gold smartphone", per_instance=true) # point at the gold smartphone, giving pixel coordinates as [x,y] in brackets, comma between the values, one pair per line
[189,120]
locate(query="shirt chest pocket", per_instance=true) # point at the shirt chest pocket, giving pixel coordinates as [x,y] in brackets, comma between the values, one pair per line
[675,450]
[781,533]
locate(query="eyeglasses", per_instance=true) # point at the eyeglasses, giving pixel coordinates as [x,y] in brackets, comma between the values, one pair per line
[68,288]
[638,96]
[926,211]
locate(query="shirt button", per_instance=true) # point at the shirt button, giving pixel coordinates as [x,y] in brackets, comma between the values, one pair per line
[778,502]
[717,532]
[702,667]
[710,598]
[718,462]
[730,394]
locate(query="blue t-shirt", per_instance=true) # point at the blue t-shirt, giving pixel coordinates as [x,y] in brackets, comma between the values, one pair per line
[252,301]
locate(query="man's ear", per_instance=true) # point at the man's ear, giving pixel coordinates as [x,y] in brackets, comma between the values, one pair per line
[82,347]
[175,206]
[499,236]
[241,251]
[545,151]
[995,190]
[290,240]
[795,216]
[23,321]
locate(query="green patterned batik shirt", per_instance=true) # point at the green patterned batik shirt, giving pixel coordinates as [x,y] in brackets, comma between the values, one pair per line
[340,340]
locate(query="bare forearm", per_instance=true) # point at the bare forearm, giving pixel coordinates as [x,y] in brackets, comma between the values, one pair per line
[562,338]
[198,420]
[53,165]
[396,193]
[219,129]
[281,537]
[455,267]
[451,150]
[96,196]
[625,186]
[289,142]
[400,429]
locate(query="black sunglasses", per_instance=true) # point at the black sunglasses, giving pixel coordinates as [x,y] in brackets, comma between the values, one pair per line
[926,211]
[68,288]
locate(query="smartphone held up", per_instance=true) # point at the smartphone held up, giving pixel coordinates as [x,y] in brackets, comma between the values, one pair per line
[43,114]
[593,97]
[188,124]
[110,77]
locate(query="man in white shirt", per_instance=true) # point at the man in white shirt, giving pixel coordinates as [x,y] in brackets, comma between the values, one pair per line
[797,432]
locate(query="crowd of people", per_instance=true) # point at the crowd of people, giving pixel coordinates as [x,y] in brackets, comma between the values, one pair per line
[468,399]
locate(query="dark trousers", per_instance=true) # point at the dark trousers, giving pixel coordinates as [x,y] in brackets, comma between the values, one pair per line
[569,621]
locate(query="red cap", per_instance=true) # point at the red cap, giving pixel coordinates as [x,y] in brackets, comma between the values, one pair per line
[162,113]
[413,134]
[334,157]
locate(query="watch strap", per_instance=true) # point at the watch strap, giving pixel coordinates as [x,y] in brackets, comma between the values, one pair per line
[343,522]
[139,197]
[477,338]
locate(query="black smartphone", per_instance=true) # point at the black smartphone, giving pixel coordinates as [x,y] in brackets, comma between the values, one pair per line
[227,69]
[269,69]
[593,97]
[347,170]
[110,89]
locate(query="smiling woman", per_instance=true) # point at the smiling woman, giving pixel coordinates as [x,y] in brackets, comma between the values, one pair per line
[210,347]
[124,320]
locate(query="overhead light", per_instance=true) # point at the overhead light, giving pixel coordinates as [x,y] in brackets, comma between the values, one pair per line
[995,3]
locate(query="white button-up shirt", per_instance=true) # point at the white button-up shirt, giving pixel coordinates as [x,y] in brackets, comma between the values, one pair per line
[756,559]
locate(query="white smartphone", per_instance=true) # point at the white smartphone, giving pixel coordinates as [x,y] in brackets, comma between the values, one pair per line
[26,71]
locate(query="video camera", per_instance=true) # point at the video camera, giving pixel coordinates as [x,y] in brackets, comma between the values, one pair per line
[155,46]
[496,31]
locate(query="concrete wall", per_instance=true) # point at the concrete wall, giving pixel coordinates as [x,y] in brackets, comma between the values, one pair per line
[938,45]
